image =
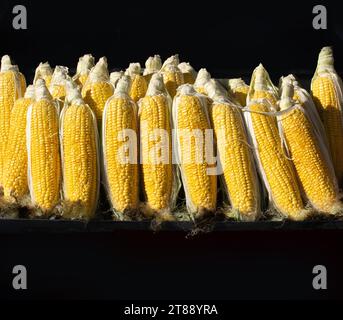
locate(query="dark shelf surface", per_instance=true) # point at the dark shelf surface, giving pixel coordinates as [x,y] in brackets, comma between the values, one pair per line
[13,226]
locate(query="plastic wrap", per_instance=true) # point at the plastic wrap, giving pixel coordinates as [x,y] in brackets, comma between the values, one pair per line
[77,207]
[157,89]
[196,210]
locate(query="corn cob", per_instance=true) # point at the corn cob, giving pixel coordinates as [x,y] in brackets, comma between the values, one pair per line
[277,171]
[115,76]
[261,87]
[152,65]
[57,84]
[156,149]
[189,74]
[85,64]
[309,154]
[10,90]
[79,153]
[43,152]
[235,156]
[43,71]
[16,190]
[138,82]
[191,122]
[326,89]
[98,89]
[172,78]
[238,89]
[202,78]
[120,154]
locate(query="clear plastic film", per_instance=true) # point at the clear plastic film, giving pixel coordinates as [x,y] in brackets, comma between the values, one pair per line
[77,208]
[243,192]
[157,90]
[43,71]
[152,65]
[330,114]
[172,60]
[193,209]
[202,78]
[84,66]
[115,76]
[7,66]
[261,83]
[41,93]
[307,147]
[121,92]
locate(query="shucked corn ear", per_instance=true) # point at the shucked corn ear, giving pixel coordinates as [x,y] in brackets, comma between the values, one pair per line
[57,84]
[192,126]
[84,66]
[79,153]
[43,71]
[202,78]
[238,89]
[326,89]
[115,76]
[309,153]
[42,142]
[16,190]
[98,88]
[235,157]
[158,178]
[138,82]
[172,78]
[261,87]
[189,74]
[120,145]
[152,65]
[276,169]
[11,88]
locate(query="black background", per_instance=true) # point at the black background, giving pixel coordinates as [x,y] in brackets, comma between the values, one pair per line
[229,38]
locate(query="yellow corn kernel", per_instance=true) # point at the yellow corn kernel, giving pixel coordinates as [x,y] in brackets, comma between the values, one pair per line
[261,87]
[57,84]
[308,158]
[10,90]
[138,87]
[43,151]
[239,90]
[172,78]
[98,89]
[325,87]
[121,165]
[200,187]
[16,188]
[156,148]
[236,159]
[80,157]
[278,170]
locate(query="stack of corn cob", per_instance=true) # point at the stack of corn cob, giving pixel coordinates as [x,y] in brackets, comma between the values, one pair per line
[277,151]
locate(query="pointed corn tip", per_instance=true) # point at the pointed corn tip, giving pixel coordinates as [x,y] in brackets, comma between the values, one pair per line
[186,89]
[30,92]
[6,60]
[123,85]
[325,57]
[41,91]
[156,85]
